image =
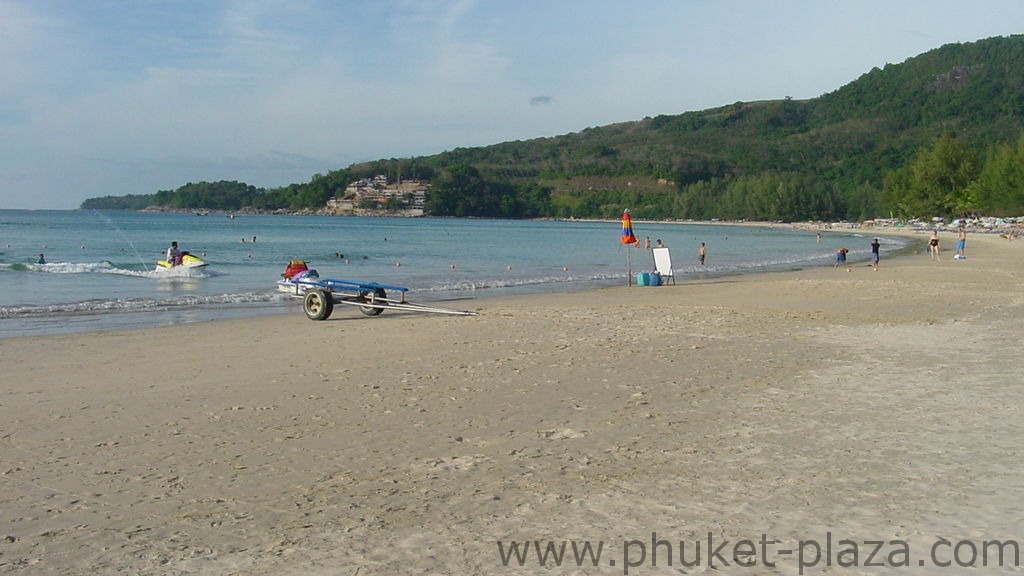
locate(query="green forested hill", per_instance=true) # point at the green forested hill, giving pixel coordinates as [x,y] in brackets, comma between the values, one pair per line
[937,134]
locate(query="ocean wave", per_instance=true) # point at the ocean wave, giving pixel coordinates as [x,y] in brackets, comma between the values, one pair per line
[596,278]
[500,283]
[106,267]
[124,305]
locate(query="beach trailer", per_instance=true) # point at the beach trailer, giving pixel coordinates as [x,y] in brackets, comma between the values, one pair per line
[319,295]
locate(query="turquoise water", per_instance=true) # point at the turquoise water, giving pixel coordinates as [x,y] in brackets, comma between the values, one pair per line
[100,271]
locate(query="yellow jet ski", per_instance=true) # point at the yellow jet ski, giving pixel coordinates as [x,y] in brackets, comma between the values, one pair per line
[187,261]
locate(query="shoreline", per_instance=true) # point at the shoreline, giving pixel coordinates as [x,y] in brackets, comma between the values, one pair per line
[94,316]
[871,405]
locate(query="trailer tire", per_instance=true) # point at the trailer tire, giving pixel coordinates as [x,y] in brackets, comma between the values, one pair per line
[318,304]
[371,310]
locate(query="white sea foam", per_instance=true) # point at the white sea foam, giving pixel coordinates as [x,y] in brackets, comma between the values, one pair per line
[101,306]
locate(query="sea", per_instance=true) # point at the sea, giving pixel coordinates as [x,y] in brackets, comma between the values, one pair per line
[100,268]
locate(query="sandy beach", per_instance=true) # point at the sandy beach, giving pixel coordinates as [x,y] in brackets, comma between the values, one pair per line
[792,408]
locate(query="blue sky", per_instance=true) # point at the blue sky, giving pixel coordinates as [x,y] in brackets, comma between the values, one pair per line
[134,96]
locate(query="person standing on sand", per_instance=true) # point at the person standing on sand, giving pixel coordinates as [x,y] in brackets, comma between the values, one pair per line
[841,259]
[647,243]
[961,243]
[874,254]
[702,253]
[933,244]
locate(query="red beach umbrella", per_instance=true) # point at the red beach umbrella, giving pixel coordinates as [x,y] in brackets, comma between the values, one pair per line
[627,236]
[629,239]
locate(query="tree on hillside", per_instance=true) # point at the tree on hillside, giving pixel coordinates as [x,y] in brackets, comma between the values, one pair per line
[220,195]
[129,202]
[999,189]
[937,182]
[319,190]
[456,192]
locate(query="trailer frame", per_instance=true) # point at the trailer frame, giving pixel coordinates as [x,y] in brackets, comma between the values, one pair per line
[321,294]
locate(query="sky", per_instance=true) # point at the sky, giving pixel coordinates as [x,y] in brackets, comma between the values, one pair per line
[104,97]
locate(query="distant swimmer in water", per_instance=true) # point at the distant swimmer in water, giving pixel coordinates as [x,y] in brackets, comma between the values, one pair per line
[41,260]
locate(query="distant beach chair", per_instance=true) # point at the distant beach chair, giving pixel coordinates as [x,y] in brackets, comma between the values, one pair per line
[663,264]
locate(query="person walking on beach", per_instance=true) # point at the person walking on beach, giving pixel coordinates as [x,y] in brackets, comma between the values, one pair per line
[841,259]
[874,254]
[702,253]
[933,244]
[961,243]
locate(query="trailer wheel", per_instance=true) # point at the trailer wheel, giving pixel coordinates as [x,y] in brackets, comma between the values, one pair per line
[371,310]
[318,304]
